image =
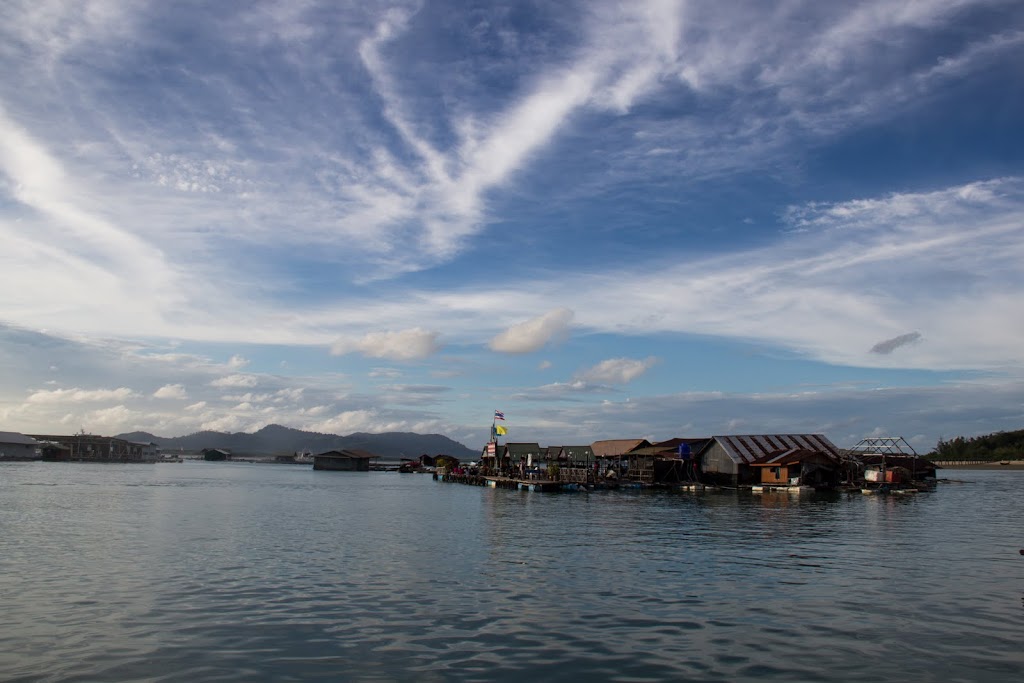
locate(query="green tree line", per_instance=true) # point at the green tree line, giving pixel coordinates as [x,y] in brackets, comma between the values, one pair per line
[990,447]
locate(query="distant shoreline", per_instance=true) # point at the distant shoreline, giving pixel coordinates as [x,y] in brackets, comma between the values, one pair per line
[1013,465]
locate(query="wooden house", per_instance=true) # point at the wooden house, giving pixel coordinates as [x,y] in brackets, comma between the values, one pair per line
[91,448]
[446,462]
[614,449]
[216,454]
[571,456]
[515,453]
[727,460]
[798,467]
[612,455]
[573,464]
[520,456]
[345,460]
[664,462]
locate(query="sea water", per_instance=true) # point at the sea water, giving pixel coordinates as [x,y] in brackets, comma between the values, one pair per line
[246,572]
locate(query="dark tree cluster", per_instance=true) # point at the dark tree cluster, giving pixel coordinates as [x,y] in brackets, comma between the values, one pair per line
[990,447]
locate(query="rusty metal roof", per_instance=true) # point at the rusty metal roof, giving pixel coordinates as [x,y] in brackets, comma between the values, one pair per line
[745,449]
[614,447]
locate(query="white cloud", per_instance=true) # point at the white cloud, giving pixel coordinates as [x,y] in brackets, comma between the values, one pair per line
[404,345]
[944,263]
[81,395]
[235,381]
[533,335]
[150,260]
[146,228]
[348,422]
[617,370]
[112,420]
[246,397]
[171,391]
[232,423]
[845,415]
[293,394]
[314,411]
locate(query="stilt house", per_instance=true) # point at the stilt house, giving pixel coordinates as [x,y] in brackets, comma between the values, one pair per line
[345,460]
[728,460]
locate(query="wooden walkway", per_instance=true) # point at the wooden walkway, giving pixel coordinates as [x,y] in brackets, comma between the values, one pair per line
[499,482]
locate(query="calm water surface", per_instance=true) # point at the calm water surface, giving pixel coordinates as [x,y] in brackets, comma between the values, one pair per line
[236,572]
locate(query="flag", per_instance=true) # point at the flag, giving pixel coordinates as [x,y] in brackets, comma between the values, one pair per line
[498,415]
[500,431]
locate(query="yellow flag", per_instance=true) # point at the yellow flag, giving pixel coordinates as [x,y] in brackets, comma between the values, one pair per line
[500,430]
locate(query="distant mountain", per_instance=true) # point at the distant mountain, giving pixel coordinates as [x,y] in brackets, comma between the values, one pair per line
[275,439]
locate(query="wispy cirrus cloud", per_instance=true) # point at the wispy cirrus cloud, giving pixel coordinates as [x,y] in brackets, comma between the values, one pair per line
[198,182]
[295,175]
[939,262]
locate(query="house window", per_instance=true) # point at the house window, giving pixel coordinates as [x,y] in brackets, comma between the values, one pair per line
[776,472]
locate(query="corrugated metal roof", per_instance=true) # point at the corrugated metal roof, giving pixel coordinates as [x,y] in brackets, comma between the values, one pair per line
[670,448]
[791,456]
[614,447]
[16,438]
[745,449]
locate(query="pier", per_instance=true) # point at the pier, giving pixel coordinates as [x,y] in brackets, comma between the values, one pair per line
[504,482]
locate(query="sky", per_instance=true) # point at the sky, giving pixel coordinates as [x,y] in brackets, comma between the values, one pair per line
[605,219]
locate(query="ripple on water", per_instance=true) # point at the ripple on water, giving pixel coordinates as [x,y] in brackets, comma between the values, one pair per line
[230,573]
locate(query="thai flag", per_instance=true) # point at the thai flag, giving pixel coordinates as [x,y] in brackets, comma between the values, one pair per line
[498,415]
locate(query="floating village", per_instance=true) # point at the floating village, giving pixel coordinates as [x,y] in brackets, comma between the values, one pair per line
[792,463]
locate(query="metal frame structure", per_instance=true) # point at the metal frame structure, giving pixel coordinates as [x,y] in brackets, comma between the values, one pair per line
[884,445]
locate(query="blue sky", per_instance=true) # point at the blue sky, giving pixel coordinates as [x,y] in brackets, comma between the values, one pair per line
[608,220]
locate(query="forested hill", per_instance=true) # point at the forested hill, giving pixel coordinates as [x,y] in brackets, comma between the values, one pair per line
[275,439]
[998,446]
